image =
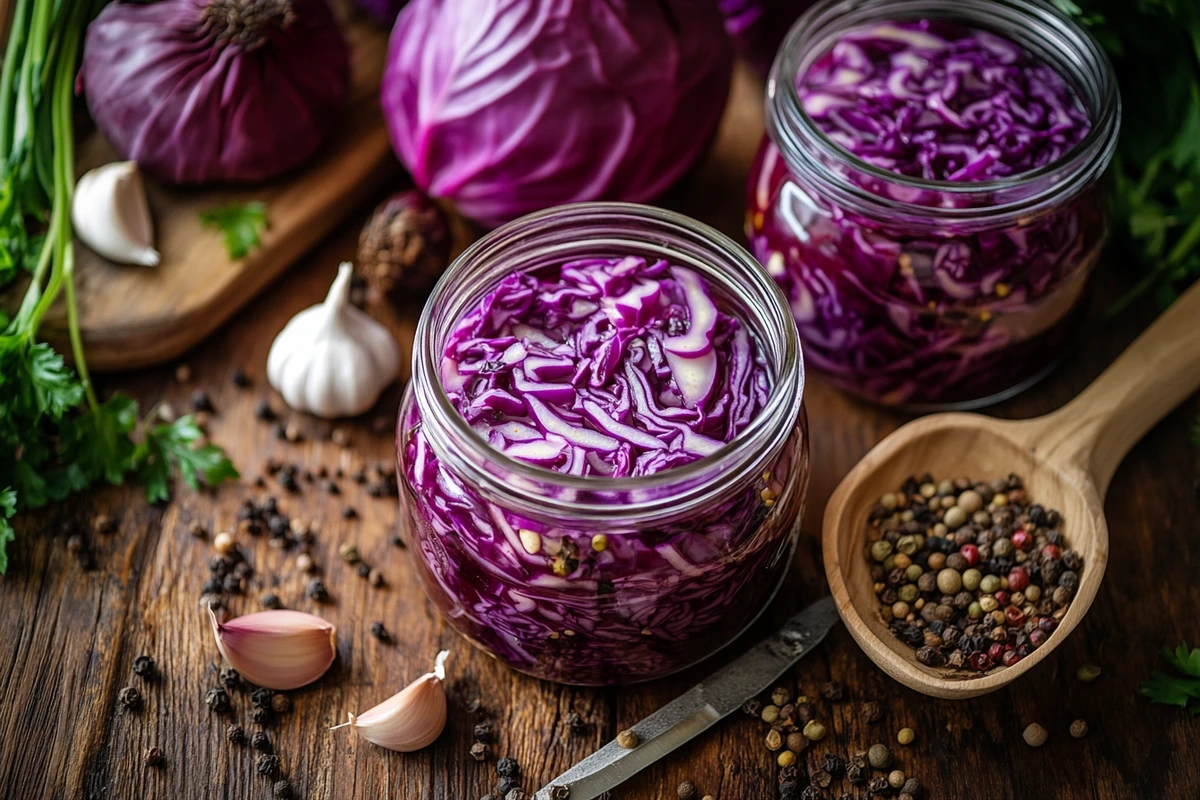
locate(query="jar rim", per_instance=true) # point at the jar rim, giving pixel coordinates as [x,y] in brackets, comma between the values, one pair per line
[695,481]
[820,26]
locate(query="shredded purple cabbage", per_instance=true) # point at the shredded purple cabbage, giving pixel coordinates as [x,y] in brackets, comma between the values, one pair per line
[897,306]
[604,367]
[612,367]
[942,102]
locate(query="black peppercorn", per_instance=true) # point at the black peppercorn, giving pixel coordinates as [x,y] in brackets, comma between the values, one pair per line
[834,764]
[144,667]
[200,401]
[479,751]
[812,793]
[508,768]
[268,766]
[230,679]
[363,570]
[504,785]
[879,786]
[262,743]
[575,723]
[558,792]
[235,734]
[217,700]
[856,774]
[349,512]
[282,790]
[821,779]
[130,698]
[930,657]
[262,697]
[686,791]
[316,591]
[260,716]
[912,788]
[271,600]
[515,793]
[153,757]
[752,708]
[482,732]
[380,632]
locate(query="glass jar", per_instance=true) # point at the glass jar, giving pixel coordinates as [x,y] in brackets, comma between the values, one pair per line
[588,580]
[931,293]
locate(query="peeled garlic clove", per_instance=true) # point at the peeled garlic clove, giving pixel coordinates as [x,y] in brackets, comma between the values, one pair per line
[111,215]
[410,720]
[277,649]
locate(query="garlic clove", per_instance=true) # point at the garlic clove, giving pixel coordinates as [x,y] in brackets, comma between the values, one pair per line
[277,649]
[111,215]
[410,720]
[332,359]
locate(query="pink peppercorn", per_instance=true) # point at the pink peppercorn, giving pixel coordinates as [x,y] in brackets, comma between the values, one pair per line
[1037,637]
[1010,657]
[1018,579]
[995,652]
[1022,540]
[1013,617]
[980,661]
[1047,624]
[1051,551]
[1002,597]
[971,553]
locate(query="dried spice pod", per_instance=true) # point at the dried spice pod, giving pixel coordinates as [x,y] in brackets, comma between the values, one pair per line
[405,246]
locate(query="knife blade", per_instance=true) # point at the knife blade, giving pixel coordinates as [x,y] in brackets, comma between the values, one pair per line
[699,708]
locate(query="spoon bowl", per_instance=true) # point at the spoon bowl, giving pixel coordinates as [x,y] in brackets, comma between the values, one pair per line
[1066,460]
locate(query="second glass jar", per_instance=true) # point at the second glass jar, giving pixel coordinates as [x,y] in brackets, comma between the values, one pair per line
[930,293]
[589,580]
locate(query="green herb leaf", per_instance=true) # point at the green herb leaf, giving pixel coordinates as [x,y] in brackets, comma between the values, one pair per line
[8,507]
[1177,691]
[240,225]
[174,445]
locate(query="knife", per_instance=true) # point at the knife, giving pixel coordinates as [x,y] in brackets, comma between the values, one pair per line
[699,709]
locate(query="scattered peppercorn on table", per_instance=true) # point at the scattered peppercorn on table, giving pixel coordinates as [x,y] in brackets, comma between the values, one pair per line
[109,580]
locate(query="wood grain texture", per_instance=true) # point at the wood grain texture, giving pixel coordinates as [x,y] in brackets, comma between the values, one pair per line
[72,634]
[135,316]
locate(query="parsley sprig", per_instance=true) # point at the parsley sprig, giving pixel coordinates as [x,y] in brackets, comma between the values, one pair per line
[1182,691]
[56,437]
[1155,49]
[241,225]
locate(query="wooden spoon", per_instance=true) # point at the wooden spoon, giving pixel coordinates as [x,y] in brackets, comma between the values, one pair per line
[1066,458]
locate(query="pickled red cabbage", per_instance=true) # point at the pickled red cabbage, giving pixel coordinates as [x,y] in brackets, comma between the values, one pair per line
[894,300]
[942,102]
[603,367]
[613,367]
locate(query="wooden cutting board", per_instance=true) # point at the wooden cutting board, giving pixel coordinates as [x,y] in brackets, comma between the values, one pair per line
[136,316]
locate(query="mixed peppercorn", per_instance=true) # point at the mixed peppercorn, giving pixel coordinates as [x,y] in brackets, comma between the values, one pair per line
[971,575]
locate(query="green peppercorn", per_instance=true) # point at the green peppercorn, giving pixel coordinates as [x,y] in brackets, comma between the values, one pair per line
[879,756]
[945,487]
[1087,673]
[770,714]
[786,758]
[949,581]
[988,603]
[970,501]
[909,593]
[888,501]
[971,579]
[881,550]
[1033,593]
[814,731]
[955,518]
[975,610]
[913,573]
[906,736]
[990,584]
[889,563]
[907,544]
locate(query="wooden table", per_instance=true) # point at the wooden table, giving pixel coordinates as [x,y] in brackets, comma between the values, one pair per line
[72,633]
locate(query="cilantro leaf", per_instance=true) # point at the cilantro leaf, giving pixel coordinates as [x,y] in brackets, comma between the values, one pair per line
[171,445]
[240,225]
[1173,690]
[8,507]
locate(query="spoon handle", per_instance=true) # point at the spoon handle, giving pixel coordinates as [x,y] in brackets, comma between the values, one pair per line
[1156,373]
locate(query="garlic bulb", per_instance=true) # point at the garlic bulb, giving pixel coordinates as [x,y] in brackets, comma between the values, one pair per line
[409,720]
[111,215]
[277,649]
[332,359]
